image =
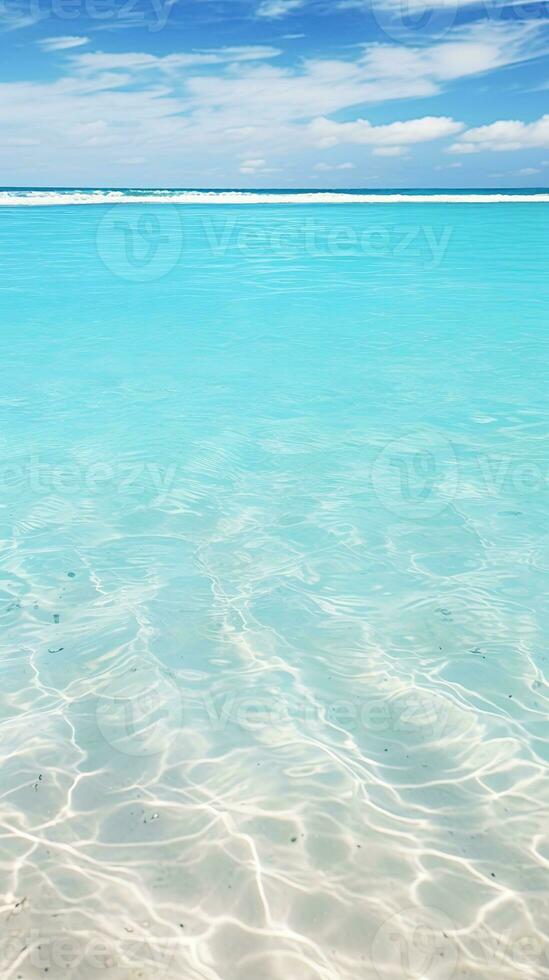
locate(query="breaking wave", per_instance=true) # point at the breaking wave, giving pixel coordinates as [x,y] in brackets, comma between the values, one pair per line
[34,198]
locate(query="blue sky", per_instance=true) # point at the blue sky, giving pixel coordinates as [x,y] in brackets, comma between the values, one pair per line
[274,93]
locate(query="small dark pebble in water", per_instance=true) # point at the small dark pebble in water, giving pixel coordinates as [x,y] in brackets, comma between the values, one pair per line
[293,839]
[56,617]
[71,574]
[493,875]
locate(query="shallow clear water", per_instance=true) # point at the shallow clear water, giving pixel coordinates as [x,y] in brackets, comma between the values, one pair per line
[274,510]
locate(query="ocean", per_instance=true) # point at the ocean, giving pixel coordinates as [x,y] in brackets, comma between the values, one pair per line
[274,517]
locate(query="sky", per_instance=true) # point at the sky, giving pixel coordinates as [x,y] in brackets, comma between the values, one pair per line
[274,93]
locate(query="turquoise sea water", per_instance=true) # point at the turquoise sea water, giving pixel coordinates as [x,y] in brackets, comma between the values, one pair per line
[274,519]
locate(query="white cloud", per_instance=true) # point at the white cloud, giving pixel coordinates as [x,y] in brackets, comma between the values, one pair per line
[257,166]
[62,43]
[94,61]
[467,51]
[462,148]
[325,167]
[505,134]
[273,95]
[251,52]
[275,9]
[198,106]
[390,138]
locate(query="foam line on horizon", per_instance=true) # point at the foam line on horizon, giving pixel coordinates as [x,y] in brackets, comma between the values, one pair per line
[51,198]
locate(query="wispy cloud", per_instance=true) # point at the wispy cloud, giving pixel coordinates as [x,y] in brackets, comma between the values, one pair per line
[18,16]
[62,43]
[276,9]
[325,167]
[94,61]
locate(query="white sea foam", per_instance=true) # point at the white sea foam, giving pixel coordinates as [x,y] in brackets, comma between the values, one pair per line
[48,198]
